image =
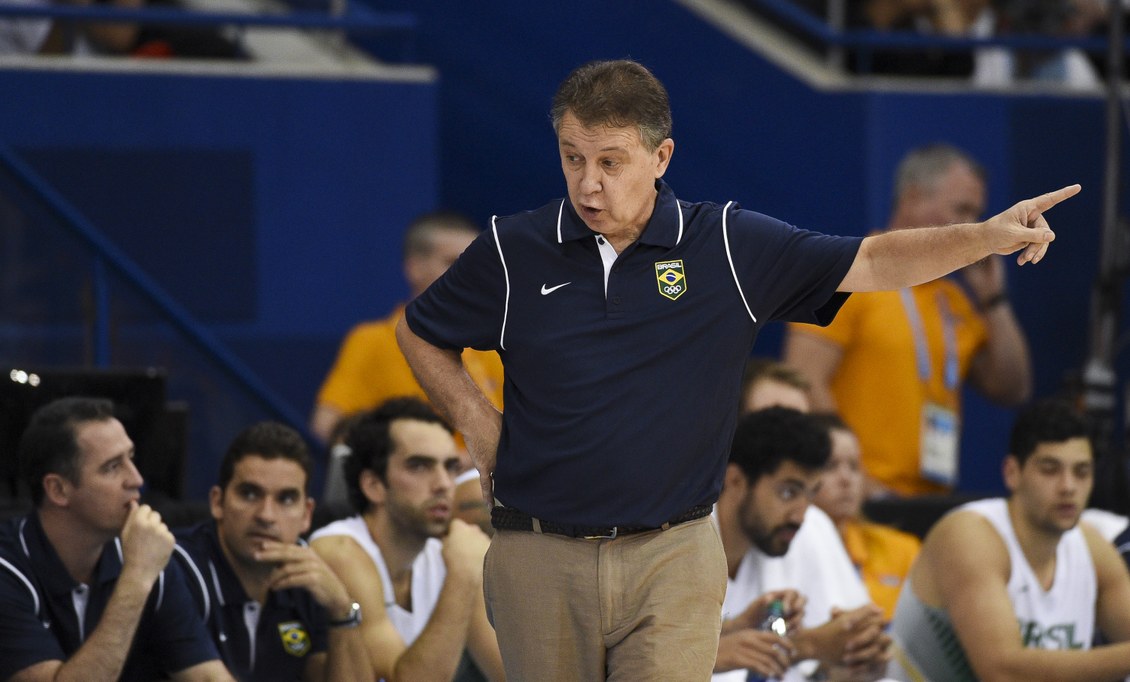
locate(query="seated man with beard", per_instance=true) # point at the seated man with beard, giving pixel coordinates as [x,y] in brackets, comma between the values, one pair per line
[777,460]
[415,570]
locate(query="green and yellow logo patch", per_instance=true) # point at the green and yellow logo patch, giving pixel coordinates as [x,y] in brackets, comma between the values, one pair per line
[294,638]
[672,280]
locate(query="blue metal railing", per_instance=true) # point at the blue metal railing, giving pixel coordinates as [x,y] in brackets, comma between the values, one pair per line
[352,22]
[109,257]
[815,28]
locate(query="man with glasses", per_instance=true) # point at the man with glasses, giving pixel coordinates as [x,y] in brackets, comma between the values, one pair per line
[776,465]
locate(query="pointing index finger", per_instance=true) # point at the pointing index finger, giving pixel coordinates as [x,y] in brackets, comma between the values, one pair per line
[1046,201]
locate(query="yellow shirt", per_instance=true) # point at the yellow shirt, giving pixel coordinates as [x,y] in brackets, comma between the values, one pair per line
[883,556]
[371,369]
[877,387]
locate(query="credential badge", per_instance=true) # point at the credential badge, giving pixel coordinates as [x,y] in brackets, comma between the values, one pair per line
[672,280]
[294,638]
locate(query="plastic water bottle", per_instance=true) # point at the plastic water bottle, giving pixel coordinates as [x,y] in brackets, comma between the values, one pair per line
[774,622]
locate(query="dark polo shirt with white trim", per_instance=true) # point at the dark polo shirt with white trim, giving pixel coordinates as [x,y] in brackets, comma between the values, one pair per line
[41,606]
[266,642]
[622,394]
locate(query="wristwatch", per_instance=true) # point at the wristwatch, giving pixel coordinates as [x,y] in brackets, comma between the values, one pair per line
[350,621]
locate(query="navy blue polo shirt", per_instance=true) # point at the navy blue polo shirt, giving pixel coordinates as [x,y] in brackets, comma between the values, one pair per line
[621,396]
[40,620]
[290,627]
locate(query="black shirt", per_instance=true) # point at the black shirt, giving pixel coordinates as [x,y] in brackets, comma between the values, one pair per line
[266,642]
[41,603]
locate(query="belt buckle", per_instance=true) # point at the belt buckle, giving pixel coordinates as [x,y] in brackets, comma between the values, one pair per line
[610,536]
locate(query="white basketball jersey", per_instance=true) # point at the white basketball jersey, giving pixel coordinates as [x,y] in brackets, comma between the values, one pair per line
[926,645]
[1062,617]
[428,573]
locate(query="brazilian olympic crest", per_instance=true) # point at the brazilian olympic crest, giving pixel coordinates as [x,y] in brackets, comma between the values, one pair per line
[294,638]
[672,280]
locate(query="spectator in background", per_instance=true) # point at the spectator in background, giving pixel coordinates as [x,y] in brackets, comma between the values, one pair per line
[989,66]
[996,66]
[275,610]
[880,553]
[86,586]
[767,382]
[416,571]
[52,36]
[951,18]
[370,367]
[893,363]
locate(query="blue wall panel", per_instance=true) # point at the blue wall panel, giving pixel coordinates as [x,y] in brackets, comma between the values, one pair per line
[271,207]
[339,168]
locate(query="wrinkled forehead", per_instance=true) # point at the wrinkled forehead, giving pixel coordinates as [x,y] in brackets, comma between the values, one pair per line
[574,132]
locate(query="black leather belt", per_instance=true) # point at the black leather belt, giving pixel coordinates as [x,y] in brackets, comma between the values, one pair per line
[508,518]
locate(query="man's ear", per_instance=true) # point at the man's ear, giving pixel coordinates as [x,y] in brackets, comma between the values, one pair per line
[57,489]
[216,502]
[310,504]
[663,156]
[412,266]
[1010,471]
[735,478]
[373,487]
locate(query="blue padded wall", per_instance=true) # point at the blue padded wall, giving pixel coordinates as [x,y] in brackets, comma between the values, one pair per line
[270,207]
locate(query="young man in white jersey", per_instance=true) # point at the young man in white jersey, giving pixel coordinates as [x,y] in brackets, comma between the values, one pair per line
[416,571]
[993,564]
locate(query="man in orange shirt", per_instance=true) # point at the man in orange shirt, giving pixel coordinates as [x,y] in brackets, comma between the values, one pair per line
[893,363]
[370,367]
[882,554]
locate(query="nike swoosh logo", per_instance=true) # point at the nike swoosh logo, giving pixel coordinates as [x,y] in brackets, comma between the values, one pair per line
[549,290]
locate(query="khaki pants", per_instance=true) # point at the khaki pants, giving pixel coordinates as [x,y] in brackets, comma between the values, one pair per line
[640,607]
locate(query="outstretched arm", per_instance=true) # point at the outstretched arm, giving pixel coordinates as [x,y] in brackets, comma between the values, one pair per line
[902,258]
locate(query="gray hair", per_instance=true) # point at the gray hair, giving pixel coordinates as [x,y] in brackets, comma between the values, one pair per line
[420,235]
[616,93]
[923,166]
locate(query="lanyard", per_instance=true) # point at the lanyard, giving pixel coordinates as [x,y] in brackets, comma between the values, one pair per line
[922,350]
